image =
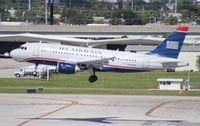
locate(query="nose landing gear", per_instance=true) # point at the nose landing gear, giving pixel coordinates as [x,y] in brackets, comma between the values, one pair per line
[35,73]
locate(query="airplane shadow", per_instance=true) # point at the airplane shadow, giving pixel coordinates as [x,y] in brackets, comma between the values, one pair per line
[108,120]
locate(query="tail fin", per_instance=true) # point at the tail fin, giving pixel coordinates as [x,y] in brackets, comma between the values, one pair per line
[171,46]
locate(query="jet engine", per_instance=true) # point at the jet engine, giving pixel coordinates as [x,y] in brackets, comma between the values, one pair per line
[67,68]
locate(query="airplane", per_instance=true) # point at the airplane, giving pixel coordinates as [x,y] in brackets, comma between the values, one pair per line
[72,59]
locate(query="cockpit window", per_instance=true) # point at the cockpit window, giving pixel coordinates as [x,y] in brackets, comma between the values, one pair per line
[23,48]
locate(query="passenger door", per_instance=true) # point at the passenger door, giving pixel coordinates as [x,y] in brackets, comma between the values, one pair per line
[36,50]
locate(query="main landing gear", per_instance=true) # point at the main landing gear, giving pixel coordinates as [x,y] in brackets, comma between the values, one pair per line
[93,77]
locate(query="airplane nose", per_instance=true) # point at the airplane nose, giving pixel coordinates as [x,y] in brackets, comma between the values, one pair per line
[13,54]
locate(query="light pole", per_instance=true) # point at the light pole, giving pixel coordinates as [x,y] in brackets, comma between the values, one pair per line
[51,12]
[135,6]
[84,4]
[176,6]
[46,12]
[70,3]
[29,5]
[131,5]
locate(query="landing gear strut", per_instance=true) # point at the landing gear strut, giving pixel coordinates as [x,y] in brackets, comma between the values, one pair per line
[93,77]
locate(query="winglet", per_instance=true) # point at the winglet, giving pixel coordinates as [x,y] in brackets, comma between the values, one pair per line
[182,28]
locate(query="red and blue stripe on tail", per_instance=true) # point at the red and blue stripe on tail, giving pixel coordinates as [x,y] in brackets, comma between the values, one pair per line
[171,46]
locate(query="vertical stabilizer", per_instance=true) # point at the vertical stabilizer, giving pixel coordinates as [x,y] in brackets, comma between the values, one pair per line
[171,46]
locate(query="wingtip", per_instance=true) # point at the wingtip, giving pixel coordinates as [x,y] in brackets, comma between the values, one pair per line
[182,28]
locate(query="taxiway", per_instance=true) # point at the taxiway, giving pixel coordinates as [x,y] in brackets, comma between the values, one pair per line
[98,110]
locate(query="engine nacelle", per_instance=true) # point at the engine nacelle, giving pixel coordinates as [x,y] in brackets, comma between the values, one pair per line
[67,68]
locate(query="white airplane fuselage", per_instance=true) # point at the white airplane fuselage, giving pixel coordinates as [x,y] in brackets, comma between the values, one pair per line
[43,53]
[71,59]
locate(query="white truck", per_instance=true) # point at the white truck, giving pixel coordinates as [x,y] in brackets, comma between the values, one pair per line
[41,71]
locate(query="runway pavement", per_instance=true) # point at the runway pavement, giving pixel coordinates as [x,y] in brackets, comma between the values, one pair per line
[98,110]
[9,66]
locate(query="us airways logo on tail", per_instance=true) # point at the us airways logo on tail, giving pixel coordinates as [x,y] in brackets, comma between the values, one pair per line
[172,45]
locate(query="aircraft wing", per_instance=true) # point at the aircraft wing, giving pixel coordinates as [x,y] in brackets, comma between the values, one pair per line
[96,63]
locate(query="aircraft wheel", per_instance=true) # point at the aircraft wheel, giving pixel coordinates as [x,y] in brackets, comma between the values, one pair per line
[95,78]
[92,78]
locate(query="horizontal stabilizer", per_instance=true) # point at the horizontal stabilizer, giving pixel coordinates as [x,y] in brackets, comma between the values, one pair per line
[171,65]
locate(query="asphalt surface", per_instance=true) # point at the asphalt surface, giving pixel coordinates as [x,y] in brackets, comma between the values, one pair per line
[98,110]
[9,66]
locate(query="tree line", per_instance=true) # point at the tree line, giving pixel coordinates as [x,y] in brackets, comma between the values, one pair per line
[81,12]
